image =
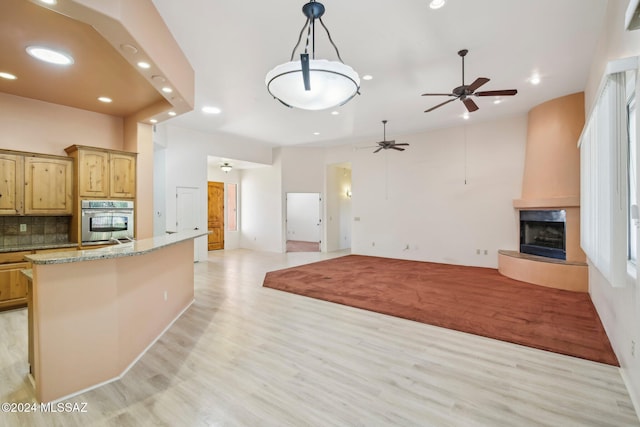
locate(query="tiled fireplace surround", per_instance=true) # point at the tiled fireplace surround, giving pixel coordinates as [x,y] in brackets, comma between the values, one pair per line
[551,181]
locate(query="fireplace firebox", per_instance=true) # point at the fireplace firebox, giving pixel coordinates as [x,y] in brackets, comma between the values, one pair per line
[542,233]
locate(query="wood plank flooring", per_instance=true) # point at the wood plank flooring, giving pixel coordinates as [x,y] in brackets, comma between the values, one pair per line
[244,355]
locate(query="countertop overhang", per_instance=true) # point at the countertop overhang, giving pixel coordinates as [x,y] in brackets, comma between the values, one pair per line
[135,248]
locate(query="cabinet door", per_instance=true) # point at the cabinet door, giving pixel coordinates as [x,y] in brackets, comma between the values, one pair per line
[48,186]
[92,173]
[13,284]
[11,184]
[122,175]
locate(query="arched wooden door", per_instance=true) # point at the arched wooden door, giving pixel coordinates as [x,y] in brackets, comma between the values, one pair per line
[215,222]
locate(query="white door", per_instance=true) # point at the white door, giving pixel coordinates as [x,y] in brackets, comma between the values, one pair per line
[187,213]
[303,217]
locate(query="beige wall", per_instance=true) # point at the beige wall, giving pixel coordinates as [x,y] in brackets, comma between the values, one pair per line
[552,159]
[85,335]
[42,127]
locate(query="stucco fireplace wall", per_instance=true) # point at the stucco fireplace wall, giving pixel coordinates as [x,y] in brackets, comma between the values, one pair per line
[552,181]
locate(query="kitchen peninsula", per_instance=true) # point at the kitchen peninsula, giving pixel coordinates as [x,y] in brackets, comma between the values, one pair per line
[93,313]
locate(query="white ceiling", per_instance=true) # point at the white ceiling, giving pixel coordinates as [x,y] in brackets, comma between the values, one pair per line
[407,47]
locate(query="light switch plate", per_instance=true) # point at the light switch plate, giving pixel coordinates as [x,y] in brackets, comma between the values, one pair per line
[23,228]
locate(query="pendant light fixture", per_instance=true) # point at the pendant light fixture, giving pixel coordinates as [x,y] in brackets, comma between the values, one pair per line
[310,83]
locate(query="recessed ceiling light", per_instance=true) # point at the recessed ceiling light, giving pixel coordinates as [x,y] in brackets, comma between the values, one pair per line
[167,89]
[211,110]
[497,101]
[144,65]
[436,4]
[7,76]
[129,48]
[535,79]
[49,55]
[48,1]
[153,121]
[367,77]
[335,113]
[105,99]
[466,116]
[172,113]
[316,133]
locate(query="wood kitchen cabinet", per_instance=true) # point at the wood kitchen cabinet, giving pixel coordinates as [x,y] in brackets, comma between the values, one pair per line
[104,174]
[11,183]
[35,184]
[48,186]
[13,284]
[122,175]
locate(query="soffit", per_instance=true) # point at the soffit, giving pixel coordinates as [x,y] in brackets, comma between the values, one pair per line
[99,70]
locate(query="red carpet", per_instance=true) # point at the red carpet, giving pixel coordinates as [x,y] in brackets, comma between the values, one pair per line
[470,299]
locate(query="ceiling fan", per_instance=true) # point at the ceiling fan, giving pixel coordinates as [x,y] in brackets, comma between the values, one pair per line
[384,144]
[465,91]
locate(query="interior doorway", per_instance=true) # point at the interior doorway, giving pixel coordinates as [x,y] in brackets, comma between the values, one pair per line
[187,212]
[304,220]
[215,216]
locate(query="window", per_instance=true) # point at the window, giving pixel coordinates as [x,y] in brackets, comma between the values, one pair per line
[232,207]
[632,197]
[604,175]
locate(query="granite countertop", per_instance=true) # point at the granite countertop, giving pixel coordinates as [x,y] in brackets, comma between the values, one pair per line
[36,247]
[27,272]
[138,247]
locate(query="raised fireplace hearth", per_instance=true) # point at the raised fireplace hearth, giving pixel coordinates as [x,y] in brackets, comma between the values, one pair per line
[542,233]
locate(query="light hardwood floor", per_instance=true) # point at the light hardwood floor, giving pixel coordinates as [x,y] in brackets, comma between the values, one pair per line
[244,355]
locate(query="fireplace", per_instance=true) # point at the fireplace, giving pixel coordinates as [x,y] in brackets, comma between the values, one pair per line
[542,232]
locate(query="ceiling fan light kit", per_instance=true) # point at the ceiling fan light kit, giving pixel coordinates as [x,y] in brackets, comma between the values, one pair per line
[464,91]
[309,83]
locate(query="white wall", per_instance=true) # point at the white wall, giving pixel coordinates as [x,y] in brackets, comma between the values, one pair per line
[186,166]
[618,308]
[448,195]
[262,215]
[338,207]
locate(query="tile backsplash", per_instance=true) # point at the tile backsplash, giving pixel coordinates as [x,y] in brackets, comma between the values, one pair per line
[37,230]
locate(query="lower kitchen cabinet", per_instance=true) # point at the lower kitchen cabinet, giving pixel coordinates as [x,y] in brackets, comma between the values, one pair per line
[13,284]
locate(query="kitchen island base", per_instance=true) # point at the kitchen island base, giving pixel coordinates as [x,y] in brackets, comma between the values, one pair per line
[94,316]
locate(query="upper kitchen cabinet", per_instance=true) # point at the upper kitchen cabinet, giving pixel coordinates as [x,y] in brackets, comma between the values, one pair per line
[35,184]
[122,175]
[104,174]
[11,183]
[48,186]
[92,169]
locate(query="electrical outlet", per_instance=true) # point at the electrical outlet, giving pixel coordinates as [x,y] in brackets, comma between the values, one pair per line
[477,251]
[486,252]
[23,228]
[166,295]
[373,243]
[406,248]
